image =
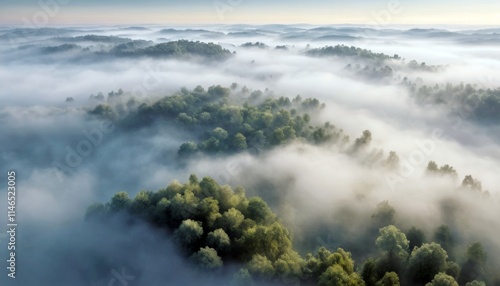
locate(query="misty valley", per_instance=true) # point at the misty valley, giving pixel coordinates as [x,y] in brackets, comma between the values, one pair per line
[253,154]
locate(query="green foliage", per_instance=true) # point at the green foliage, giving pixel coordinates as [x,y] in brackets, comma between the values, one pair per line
[239,142]
[476,253]
[188,234]
[394,246]
[258,211]
[175,49]
[363,141]
[61,48]
[441,279]
[183,206]
[213,223]
[384,215]
[426,261]
[475,283]
[95,212]
[333,268]
[392,161]
[271,241]
[345,51]
[141,206]
[393,241]
[473,268]
[465,100]
[416,237]
[389,279]
[444,237]
[219,133]
[104,111]
[369,272]
[453,269]
[261,267]
[193,179]
[119,202]
[335,275]
[289,267]
[231,221]
[432,168]
[255,45]
[470,183]
[219,240]
[206,259]
[259,123]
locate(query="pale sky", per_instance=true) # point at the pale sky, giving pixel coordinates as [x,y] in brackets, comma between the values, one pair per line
[382,13]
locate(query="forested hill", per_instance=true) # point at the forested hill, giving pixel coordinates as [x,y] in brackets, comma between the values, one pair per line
[228,120]
[122,47]
[346,51]
[176,49]
[217,227]
[221,122]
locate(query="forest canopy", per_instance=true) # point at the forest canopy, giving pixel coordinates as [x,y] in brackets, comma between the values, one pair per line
[216,226]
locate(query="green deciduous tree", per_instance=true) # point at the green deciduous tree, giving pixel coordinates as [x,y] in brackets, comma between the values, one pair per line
[261,267]
[473,269]
[289,267]
[219,240]
[443,236]
[416,238]
[452,269]
[389,279]
[258,211]
[384,215]
[119,202]
[188,234]
[472,184]
[426,261]
[206,259]
[239,142]
[183,206]
[96,211]
[393,241]
[441,279]
[220,133]
[231,221]
[187,149]
[141,205]
[369,272]
[394,246]
[336,276]
[432,167]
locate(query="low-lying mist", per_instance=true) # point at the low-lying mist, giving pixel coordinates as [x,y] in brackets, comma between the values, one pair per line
[327,194]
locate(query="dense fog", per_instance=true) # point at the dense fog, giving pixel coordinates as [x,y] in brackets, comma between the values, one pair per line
[327,195]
